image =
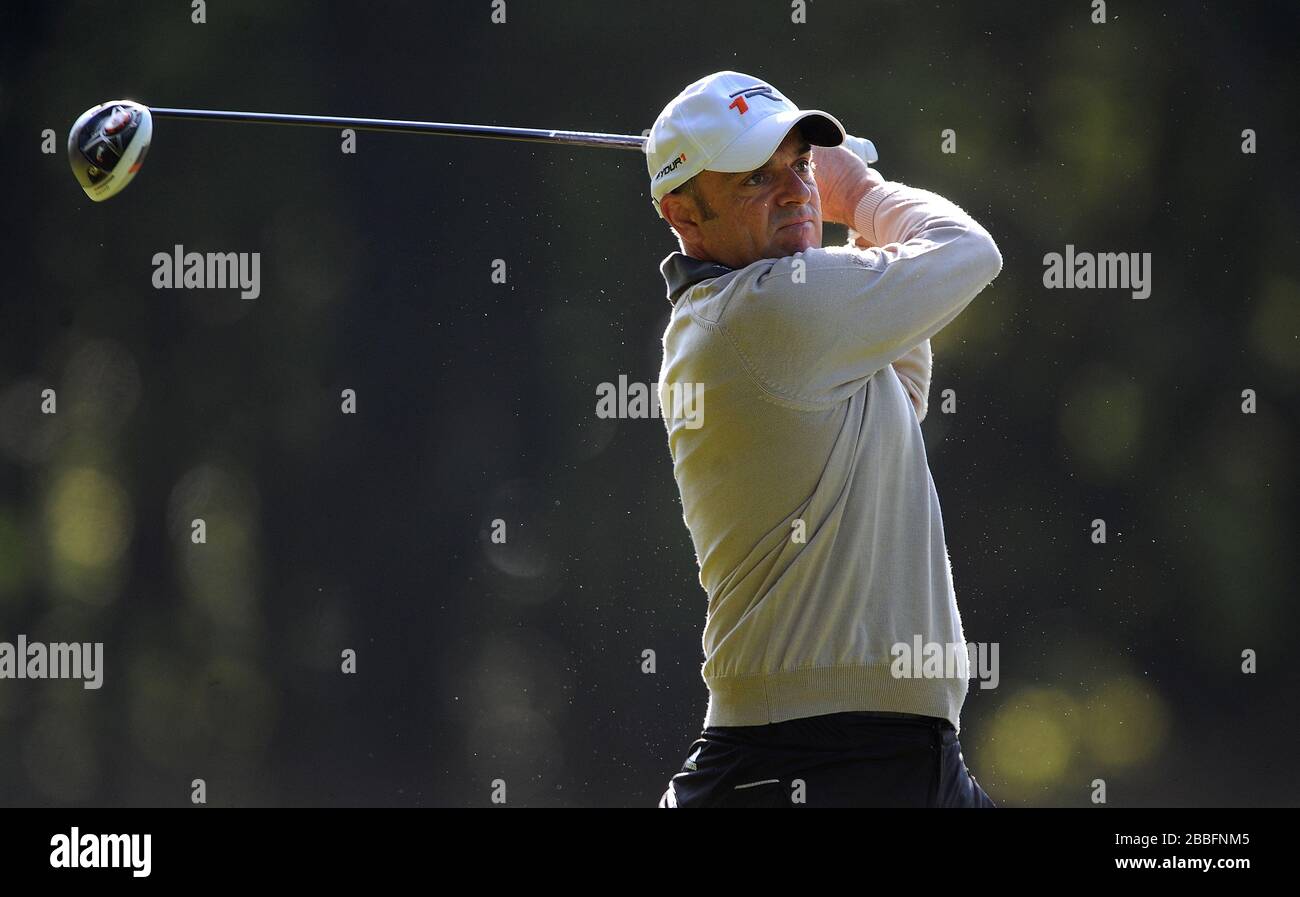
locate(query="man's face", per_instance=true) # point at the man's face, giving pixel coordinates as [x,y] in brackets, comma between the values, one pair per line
[772,212]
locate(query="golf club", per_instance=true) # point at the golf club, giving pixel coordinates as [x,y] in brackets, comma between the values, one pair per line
[108,142]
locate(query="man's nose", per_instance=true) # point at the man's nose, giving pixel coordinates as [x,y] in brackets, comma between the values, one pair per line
[794,189]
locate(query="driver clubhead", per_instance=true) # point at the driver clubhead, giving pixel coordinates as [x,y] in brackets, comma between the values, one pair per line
[106,146]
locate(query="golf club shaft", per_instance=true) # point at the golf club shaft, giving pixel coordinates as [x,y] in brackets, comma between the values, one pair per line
[442,129]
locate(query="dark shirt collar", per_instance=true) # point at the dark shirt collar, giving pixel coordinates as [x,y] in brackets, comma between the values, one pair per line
[681,272]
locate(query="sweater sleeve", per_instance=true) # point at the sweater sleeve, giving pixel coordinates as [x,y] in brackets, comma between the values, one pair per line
[812,326]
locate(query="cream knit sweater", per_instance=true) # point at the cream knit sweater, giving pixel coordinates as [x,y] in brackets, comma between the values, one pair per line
[804,480]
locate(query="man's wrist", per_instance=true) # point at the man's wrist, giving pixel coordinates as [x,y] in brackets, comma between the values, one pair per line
[862,217]
[853,196]
[846,207]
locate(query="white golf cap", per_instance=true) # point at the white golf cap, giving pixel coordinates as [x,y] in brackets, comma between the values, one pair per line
[726,122]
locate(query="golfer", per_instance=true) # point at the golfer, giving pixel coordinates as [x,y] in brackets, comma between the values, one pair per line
[802,469]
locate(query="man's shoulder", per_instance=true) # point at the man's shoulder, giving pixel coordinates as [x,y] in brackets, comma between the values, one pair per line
[793,278]
[820,256]
[709,291]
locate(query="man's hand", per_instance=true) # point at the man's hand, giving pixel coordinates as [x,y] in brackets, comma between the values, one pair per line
[842,180]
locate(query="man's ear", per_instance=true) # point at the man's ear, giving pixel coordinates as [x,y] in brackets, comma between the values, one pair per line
[681,213]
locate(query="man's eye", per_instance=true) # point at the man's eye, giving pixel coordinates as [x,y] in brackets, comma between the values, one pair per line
[802,165]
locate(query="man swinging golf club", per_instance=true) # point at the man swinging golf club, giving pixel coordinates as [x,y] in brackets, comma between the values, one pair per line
[805,486]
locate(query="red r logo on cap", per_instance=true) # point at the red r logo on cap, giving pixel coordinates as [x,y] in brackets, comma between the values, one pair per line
[739,103]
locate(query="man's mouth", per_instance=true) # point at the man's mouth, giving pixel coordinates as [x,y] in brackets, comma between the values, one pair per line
[798,223]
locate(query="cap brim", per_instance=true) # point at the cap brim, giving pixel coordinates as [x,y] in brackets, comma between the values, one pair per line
[753,148]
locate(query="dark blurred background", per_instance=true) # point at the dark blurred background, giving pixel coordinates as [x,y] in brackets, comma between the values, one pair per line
[476,400]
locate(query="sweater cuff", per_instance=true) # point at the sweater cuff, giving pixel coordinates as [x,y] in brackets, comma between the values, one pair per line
[864,216]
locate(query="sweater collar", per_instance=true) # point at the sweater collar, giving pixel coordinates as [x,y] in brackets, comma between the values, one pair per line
[682,271]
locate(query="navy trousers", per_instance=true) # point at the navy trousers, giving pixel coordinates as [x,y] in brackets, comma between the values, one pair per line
[856,759]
